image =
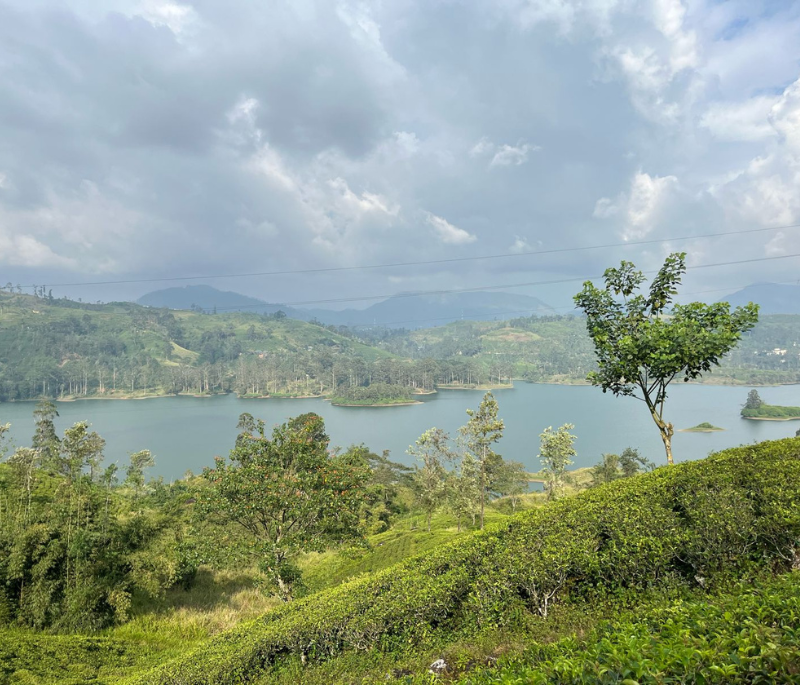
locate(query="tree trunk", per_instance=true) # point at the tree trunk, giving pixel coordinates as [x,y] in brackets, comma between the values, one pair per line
[667,431]
[483,483]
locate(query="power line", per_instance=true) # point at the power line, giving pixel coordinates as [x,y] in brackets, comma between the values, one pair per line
[529,311]
[506,286]
[450,260]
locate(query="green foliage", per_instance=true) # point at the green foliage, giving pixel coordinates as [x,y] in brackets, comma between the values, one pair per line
[753,400]
[287,494]
[72,553]
[481,431]
[556,454]
[374,393]
[433,450]
[696,522]
[771,411]
[625,465]
[641,346]
[748,635]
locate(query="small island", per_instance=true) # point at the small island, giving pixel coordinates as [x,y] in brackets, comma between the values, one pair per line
[756,410]
[375,395]
[704,427]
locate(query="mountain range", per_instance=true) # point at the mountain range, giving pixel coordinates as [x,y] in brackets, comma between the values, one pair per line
[406,310]
[773,298]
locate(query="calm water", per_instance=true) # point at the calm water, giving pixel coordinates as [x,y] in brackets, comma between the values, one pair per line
[186,433]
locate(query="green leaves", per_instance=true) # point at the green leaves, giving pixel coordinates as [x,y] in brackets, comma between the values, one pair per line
[287,493]
[641,347]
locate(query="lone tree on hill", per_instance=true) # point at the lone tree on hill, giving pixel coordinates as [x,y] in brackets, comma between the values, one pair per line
[556,454]
[287,493]
[481,431]
[642,346]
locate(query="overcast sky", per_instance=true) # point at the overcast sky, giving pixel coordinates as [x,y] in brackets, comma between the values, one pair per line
[151,139]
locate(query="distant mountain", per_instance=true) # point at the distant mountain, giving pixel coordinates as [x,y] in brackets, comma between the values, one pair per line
[400,311]
[425,311]
[773,298]
[208,298]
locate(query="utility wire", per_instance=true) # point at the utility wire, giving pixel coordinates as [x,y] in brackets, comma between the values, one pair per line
[465,315]
[505,286]
[450,260]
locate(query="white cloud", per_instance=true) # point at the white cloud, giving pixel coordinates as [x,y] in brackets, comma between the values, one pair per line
[447,233]
[740,121]
[180,19]
[483,147]
[520,245]
[357,206]
[508,155]
[640,207]
[25,250]
[503,155]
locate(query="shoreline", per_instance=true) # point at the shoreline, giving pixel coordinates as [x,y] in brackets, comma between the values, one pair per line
[377,406]
[772,418]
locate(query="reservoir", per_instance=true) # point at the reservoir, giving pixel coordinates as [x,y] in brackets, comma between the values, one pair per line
[186,433]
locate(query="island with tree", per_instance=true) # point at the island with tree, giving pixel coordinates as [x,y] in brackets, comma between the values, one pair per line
[755,409]
[704,427]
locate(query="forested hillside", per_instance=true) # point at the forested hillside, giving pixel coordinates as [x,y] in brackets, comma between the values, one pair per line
[557,349]
[58,348]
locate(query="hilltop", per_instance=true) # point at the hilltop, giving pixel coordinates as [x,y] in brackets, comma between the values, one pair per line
[401,311]
[772,298]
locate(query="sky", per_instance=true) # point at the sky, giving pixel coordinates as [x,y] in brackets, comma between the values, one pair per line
[143,139]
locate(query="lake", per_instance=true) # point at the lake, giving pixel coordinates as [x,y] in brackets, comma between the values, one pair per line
[187,432]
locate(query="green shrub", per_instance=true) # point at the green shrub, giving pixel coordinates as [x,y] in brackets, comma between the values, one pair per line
[771,411]
[751,635]
[685,525]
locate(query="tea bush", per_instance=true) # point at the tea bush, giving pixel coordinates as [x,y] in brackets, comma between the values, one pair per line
[747,636]
[688,525]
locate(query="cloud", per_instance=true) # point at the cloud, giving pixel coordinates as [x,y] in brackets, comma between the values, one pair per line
[740,121]
[508,155]
[502,155]
[520,245]
[641,207]
[163,137]
[447,233]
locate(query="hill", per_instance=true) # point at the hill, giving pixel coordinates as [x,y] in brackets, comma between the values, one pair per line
[551,575]
[61,348]
[424,311]
[209,299]
[401,311]
[772,298]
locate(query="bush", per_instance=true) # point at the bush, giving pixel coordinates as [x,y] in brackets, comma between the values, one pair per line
[685,525]
[751,635]
[771,411]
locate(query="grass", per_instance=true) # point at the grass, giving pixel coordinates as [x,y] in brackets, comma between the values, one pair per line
[159,629]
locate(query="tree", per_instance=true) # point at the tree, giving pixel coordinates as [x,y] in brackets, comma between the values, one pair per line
[134,476]
[631,462]
[556,454]
[511,480]
[287,494]
[45,438]
[607,470]
[753,400]
[640,346]
[432,448]
[482,430]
